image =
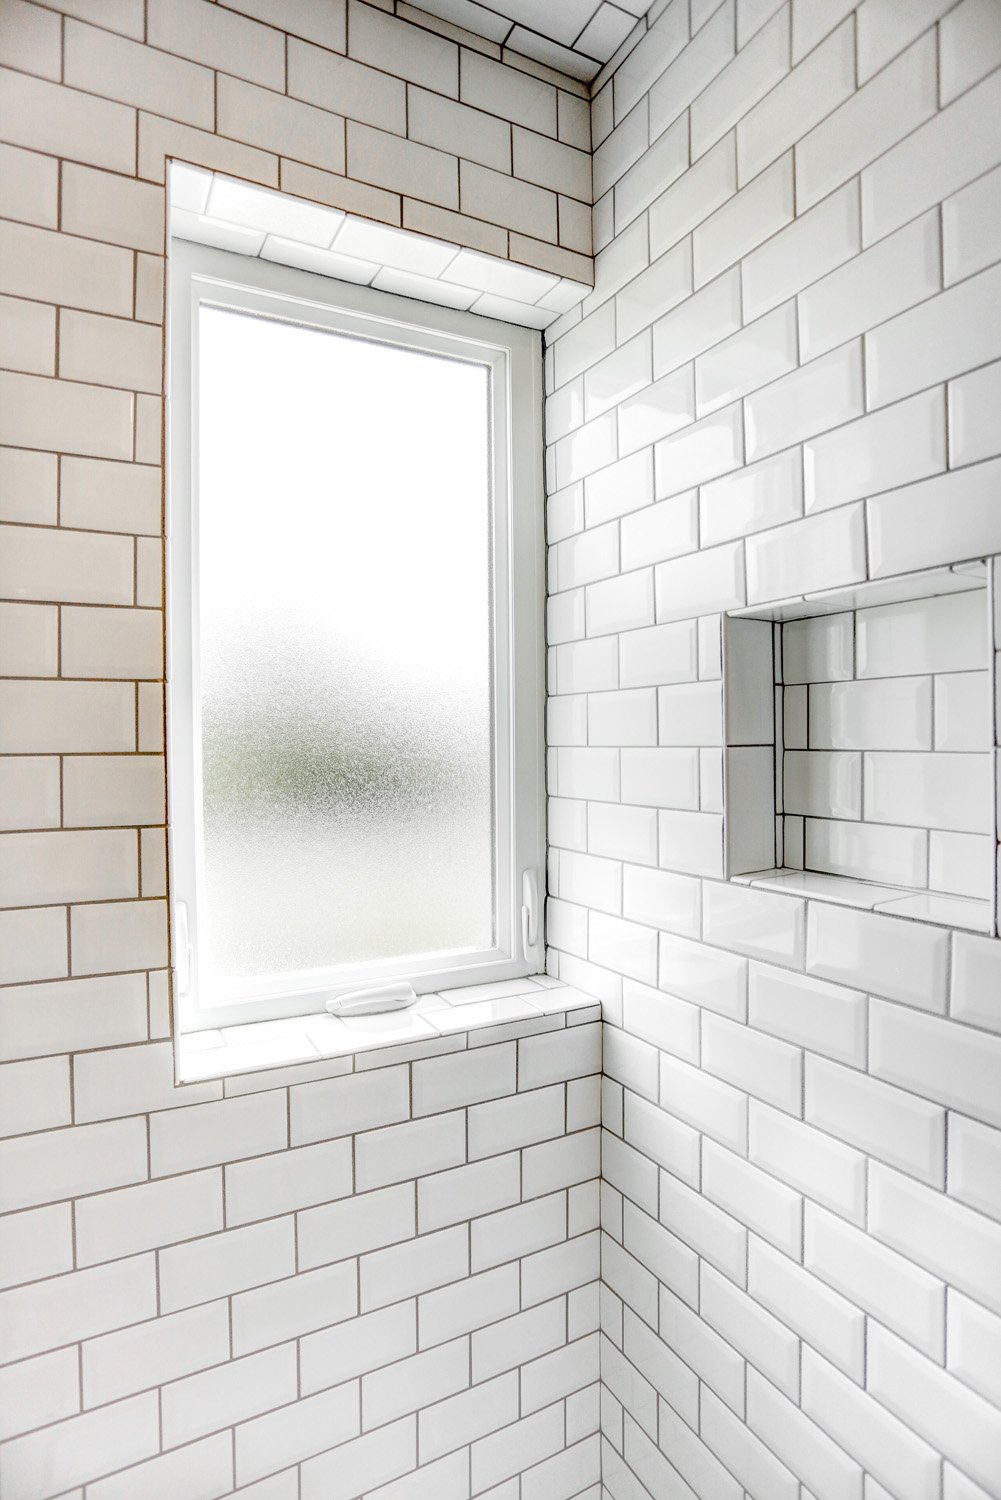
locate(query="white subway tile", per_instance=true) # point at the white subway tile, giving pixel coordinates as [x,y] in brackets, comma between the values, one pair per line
[761,352]
[658,1135]
[710,1357]
[662,163]
[872,120]
[618,604]
[622,833]
[906,531]
[972,399]
[618,376]
[754,498]
[825,1320]
[928,165]
[896,959]
[809,1013]
[207,1134]
[877,1440]
[400,1151]
[812,90]
[661,531]
[711,580]
[942,337]
[975,982]
[891,275]
[902,443]
[817,241]
[818,650]
[707,184]
[822,783]
[358,1345]
[876,1279]
[661,778]
[960,1424]
[757,1064]
[894,1126]
[398,1389]
[942,790]
[973,1346]
[83,1447]
[755,70]
[867,852]
[753,1198]
[818,1167]
[758,923]
[704,1103]
[799,1443]
[657,411]
[712,1234]
[971,221]
[702,320]
[787,411]
[754,214]
[824,551]
[651,294]
[936,1059]
[65,1309]
[33,940]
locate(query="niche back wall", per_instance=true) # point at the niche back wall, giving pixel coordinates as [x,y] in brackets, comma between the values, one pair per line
[786,380]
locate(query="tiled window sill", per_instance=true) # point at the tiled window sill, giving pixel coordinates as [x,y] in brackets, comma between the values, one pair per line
[446,1022]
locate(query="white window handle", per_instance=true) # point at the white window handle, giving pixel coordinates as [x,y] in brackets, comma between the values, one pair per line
[529,911]
[182,947]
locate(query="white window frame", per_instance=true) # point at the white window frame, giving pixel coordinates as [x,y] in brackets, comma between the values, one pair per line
[201,275]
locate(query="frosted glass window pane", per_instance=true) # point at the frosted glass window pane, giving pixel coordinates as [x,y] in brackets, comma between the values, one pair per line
[344,649]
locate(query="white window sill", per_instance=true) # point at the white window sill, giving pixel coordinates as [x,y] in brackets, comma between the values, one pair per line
[445,1022]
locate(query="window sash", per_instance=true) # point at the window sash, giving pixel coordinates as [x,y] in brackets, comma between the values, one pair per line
[202,276]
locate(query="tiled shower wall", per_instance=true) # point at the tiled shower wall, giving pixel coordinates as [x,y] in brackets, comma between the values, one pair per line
[787,377]
[218,1285]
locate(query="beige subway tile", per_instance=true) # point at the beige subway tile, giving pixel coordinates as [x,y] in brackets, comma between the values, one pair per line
[113,789]
[426,218]
[324,24]
[33,944]
[150,723]
[72,566]
[112,643]
[126,16]
[42,869]
[153,861]
[115,68]
[564,169]
[106,206]
[558,259]
[150,299]
[575,225]
[149,572]
[27,336]
[110,351]
[340,192]
[29,640]
[574,120]
[64,122]
[149,431]
[219,39]
[507,201]
[407,51]
[511,94]
[50,267]
[98,495]
[28,485]
[49,717]
[30,39]
[437,121]
[115,936]
[160,138]
[29,187]
[389,162]
[29,793]
[358,92]
[61,415]
[276,123]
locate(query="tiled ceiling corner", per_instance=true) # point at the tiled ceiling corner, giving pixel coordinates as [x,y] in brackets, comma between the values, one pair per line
[575,36]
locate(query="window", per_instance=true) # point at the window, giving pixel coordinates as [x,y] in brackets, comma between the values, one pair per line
[355,641]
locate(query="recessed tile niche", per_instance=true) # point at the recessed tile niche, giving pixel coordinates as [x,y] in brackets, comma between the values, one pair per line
[860,735]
